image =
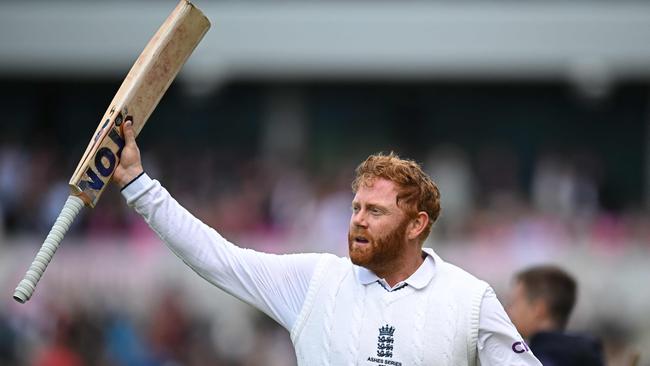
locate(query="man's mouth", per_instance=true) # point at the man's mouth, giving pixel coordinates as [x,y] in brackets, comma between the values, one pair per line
[361,240]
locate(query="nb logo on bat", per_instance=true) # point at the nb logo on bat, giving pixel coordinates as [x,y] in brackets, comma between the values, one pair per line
[102,165]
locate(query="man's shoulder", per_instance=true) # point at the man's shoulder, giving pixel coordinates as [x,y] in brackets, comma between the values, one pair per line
[333,258]
[459,273]
[320,256]
[343,263]
[329,262]
[454,272]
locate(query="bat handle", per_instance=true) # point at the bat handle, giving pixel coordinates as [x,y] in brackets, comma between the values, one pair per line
[26,287]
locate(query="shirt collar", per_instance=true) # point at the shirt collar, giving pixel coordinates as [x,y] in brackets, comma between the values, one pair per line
[418,280]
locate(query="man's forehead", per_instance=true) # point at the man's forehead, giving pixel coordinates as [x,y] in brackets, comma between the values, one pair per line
[377,189]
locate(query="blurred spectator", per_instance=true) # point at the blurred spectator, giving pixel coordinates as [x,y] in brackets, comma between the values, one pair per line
[13,171]
[498,176]
[169,329]
[327,215]
[55,197]
[272,344]
[617,340]
[7,343]
[540,305]
[124,344]
[290,193]
[450,169]
[564,187]
[60,351]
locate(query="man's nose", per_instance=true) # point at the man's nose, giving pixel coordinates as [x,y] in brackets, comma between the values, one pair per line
[359,219]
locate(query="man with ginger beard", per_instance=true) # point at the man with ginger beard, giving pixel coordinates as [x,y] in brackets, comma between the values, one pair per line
[392,302]
[386,251]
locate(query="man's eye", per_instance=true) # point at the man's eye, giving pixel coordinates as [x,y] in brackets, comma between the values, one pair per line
[375,211]
[355,208]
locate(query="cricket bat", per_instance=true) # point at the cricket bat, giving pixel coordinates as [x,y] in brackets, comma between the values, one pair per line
[135,100]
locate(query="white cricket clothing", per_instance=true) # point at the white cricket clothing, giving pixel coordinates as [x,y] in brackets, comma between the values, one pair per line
[339,313]
[346,318]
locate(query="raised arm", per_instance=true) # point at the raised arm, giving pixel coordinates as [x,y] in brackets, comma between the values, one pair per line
[275,284]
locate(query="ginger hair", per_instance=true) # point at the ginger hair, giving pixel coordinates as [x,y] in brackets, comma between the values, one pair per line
[416,191]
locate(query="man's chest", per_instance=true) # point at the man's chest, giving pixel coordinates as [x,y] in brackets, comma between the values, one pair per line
[403,327]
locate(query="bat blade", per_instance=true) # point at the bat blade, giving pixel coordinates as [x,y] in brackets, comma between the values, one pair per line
[139,94]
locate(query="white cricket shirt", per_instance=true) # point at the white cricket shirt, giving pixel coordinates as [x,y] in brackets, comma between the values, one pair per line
[278,284]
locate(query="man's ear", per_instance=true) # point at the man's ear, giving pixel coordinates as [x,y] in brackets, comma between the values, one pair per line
[417,225]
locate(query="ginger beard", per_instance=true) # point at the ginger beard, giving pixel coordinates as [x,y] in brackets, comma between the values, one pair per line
[379,252]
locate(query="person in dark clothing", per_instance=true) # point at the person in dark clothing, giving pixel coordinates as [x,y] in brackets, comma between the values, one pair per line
[8,354]
[560,348]
[541,302]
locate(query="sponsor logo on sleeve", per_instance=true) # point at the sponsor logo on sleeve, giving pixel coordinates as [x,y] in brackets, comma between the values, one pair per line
[520,347]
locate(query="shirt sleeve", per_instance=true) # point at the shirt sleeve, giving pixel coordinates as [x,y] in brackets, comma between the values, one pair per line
[499,343]
[275,284]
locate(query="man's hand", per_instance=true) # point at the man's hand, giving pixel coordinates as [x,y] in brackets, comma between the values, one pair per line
[130,164]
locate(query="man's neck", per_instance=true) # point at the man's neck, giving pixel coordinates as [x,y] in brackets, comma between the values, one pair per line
[542,326]
[547,325]
[401,269]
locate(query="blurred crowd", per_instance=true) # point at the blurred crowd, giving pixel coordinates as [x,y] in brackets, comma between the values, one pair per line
[285,206]
[565,201]
[167,334]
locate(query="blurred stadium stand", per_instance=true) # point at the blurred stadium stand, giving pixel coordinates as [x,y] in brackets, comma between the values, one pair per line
[532,117]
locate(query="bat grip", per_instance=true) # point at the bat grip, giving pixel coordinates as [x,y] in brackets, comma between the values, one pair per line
[26,287]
